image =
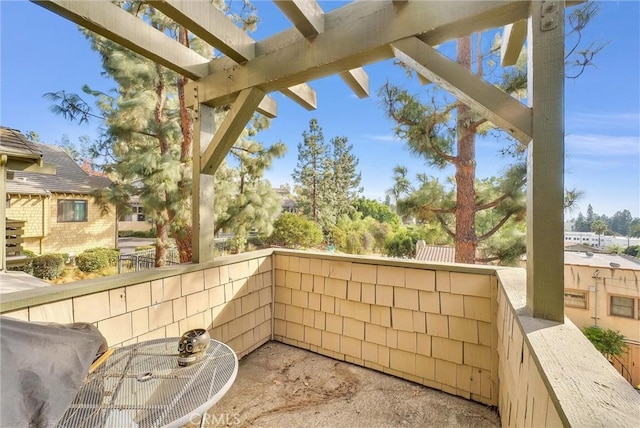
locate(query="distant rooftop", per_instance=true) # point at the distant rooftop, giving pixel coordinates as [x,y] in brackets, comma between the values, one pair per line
[601,260]
[436,253]
[14,144]
[69,177]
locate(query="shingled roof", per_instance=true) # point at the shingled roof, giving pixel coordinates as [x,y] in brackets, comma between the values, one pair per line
[14,144]
[436,253]
[69,177]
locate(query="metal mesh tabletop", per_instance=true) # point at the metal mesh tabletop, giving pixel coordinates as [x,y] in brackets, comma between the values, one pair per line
[142,386]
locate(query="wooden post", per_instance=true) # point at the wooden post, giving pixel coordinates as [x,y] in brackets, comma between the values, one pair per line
[545,163]
[203,234]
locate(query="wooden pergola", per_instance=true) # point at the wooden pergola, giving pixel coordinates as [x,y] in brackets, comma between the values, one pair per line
[341,42]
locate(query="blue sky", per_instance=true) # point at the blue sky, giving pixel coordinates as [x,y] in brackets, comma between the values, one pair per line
[41,52]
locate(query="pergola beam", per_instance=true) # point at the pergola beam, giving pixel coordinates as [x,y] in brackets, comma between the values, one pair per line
[513,38]
[232,126]
[358,80]
[268,107]
[114,23]
[302,94]
[306,15]
[211,25]
[492,103]
[352,39]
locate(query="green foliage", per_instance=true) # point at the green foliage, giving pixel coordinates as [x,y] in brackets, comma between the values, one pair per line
[147,137]
[633,250]
[97,258]
[29,253]
[608,342]
[599,227]
[402,243]
[378,211]
[614,249]
[48,266]
[91,262]
[357,235]
[326,177]
[506,247]
[243,199]
[144,247]
[136,234]
[295,231]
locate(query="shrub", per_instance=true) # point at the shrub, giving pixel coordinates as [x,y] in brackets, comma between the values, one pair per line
[633,250]
[136,234]
[29,253]
[145,247]
[608,342]
[401,244]
[97,258]
[294,231]
[48,266]
[91,261]
[110,254]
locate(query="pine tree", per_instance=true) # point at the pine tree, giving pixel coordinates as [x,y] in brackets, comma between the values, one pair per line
[444,135]
[148,132]
[244,200]
[311,175]
[345,179]
[326,179]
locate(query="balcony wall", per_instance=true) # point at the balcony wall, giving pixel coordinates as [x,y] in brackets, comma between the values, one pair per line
[457,328]
[231,296]
[434,325]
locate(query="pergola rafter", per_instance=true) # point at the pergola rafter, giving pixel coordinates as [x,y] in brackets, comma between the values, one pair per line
[351,39]
[492,103]
[341,42]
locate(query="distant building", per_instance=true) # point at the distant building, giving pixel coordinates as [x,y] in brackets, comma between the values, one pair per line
[57,209]
[604,290]
[136,220]
[289,204]
[602,241]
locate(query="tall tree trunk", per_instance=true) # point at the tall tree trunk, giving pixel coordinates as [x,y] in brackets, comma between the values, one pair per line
[159,117]
[465,235]
[184,236]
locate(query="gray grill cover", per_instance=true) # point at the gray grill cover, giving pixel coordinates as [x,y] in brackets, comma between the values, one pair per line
[43,366]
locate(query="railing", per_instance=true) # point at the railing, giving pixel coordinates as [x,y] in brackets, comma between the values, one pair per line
[624,371]
[145,260]
[14,232]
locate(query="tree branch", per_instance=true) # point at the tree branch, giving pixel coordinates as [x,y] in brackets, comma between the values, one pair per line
[496,227]
[445,227]
[487,260]
[493,203]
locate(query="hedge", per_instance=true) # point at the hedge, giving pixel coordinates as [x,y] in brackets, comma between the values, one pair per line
[97,258]
[49,266]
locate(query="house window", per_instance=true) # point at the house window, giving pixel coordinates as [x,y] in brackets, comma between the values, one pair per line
[575,299]
[140,211]
[622,306]
[72,210]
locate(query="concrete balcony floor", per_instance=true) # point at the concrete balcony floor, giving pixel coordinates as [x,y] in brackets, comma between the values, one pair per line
[282,386]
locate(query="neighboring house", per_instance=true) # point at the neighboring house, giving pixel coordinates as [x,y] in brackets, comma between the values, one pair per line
[60,215]
[136,220]
[288,203]
[604,290]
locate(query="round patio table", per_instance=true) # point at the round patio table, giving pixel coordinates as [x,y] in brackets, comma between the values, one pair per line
[142,386]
